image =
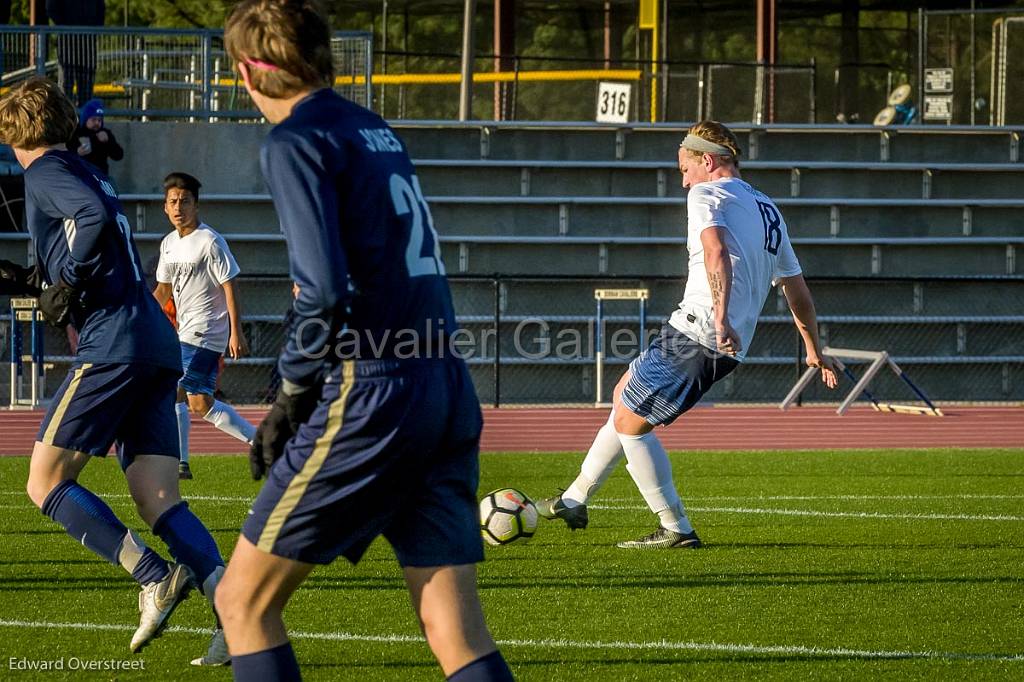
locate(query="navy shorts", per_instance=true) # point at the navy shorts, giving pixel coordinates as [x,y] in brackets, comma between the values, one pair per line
[670,376]
[201,366]
[392,449]
[100,405]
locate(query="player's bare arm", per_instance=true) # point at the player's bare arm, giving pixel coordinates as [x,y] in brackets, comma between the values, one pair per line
[801,304]
[718,265]
[238,346]
[162,293]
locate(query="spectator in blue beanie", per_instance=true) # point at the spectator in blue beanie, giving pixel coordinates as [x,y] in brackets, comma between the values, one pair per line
[92,141]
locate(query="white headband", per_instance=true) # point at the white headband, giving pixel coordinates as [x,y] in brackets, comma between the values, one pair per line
[699,144]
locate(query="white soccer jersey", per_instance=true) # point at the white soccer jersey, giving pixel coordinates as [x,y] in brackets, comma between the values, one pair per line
[759,248]
[197,266]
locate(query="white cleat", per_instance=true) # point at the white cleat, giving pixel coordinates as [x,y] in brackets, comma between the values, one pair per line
[157,602]
[217,653]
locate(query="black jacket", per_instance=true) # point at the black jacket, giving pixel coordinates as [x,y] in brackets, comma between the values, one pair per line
[101,151]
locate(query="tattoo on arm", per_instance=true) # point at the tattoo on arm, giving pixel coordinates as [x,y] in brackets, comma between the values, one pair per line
[717,287]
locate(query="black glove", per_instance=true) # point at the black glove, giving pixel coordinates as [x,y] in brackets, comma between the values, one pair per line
[56,303]
[17,280]
[286,415]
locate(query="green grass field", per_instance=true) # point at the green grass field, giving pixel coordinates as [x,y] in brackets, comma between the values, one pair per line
[823,565]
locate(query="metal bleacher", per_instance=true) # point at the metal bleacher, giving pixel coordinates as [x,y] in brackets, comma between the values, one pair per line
[901,213]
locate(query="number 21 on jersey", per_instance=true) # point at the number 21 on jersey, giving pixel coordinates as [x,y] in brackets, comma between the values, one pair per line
[408,199]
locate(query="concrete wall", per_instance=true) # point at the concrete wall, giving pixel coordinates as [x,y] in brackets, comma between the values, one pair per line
[224,156]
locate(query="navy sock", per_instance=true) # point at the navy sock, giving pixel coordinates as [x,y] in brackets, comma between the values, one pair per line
[91,522]
[271,665]
[152,568]
[189,540]
[489,668]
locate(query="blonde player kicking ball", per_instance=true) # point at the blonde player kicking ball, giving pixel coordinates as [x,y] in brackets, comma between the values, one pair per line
[738,247]
[196,268]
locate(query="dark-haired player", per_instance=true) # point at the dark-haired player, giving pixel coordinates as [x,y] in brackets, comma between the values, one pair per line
[196,270]
[121,384]
[384,423]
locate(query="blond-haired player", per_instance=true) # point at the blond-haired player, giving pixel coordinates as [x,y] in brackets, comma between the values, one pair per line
[121,384]
[366,439]
[738,247]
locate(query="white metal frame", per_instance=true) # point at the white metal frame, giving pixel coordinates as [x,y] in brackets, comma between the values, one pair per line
[878,359]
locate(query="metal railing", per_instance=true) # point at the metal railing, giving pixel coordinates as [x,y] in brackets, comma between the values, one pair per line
[532,339]
[159,73]
[564,88]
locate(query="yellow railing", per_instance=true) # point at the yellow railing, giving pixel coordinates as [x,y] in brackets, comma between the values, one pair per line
[108,89]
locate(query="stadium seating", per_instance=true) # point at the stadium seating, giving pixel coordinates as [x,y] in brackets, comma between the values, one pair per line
[592,201]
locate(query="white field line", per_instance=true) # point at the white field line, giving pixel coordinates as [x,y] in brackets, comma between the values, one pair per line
[658,645]
[829,514]
[751,498]
[764,512]
[116,496]
[616,506]
[757,498]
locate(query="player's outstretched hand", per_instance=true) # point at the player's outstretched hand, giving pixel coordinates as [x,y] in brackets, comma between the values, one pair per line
[18,280]
[286,415]
[828,368]
[726,338]
[56,303]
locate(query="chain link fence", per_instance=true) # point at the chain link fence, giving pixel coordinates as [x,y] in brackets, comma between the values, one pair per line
[159,73]
[533,340]
[985,50]
[425,86]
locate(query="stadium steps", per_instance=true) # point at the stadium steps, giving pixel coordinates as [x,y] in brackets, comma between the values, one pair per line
[636,216]
[592,199]
[788,142]
[778,179]
[655,256]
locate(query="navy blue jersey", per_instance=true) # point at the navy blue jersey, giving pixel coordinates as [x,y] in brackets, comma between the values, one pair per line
[361,242]
[82,237]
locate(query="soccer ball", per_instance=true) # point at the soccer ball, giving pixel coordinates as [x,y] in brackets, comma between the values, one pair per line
[507,515]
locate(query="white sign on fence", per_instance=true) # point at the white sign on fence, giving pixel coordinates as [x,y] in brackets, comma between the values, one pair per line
[938,81]
[613,102]
[938,108]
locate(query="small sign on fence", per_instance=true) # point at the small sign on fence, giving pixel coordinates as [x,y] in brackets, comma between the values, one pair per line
[613,102]
[938,81]
[938,108]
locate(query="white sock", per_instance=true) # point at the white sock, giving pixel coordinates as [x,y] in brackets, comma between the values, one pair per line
[209,590]
[224,417]
[184,426]
[647,463]
[600,462]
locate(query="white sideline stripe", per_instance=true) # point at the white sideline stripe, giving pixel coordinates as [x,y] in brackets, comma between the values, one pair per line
[769,512]
[753,498]
[845,515]
[201,498]
[664,645]
[840,497]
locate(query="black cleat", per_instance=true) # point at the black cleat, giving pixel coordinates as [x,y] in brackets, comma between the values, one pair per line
[553,508]
[663,538]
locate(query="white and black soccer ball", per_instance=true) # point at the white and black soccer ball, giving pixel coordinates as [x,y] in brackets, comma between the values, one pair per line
[507,515]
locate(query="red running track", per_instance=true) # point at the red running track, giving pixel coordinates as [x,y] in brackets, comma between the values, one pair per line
[703,428]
